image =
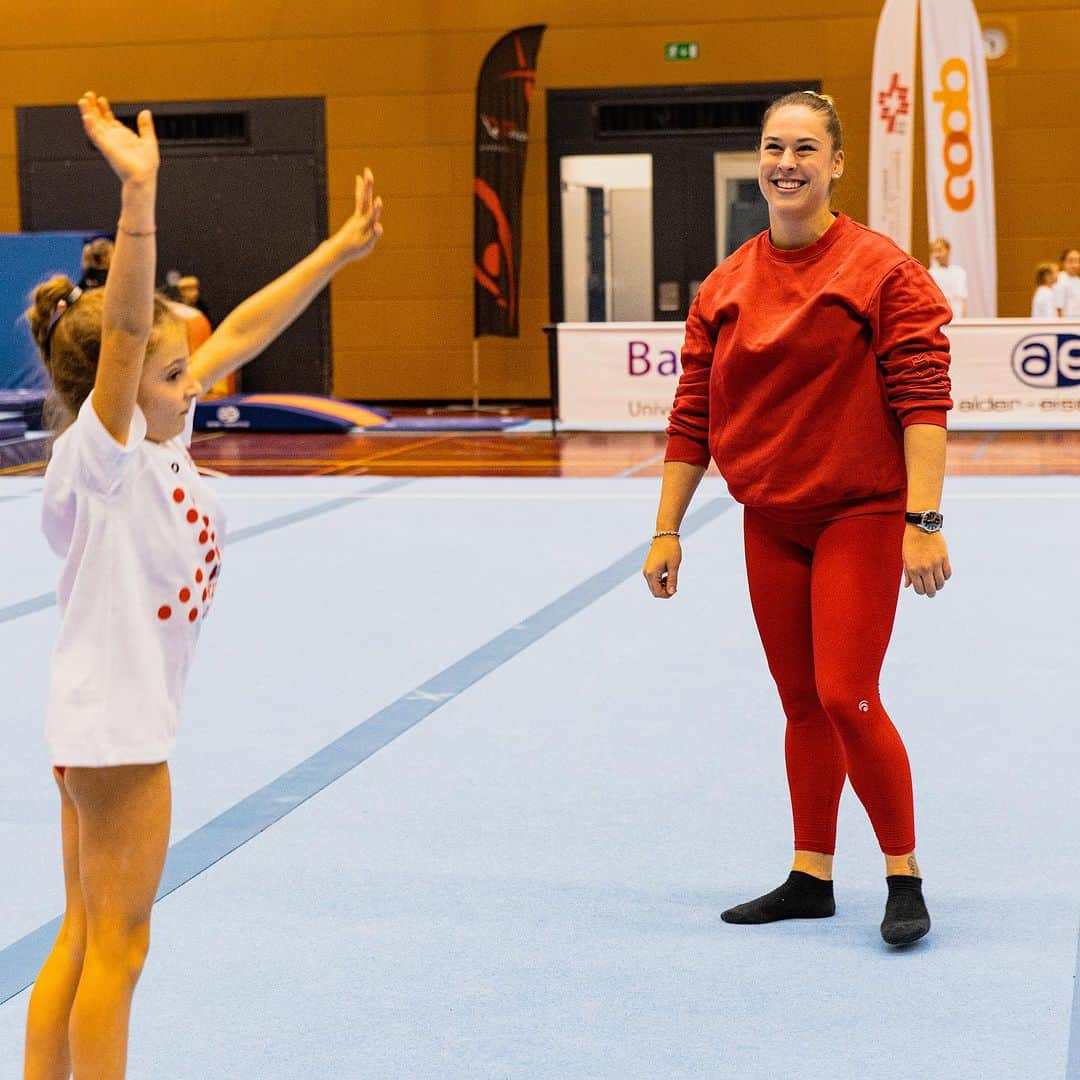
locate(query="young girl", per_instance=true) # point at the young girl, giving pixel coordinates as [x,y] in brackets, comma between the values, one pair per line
[1067,286]
[1042,303]
[140,535]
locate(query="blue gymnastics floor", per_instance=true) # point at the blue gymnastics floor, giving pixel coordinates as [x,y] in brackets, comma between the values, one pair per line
[497,796]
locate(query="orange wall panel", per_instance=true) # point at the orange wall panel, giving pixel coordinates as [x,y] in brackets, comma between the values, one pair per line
[399,83]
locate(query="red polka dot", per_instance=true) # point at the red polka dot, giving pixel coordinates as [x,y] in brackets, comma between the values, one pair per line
[210,556]
[185,595]
[193,516]
[205,520]
[203,537]
[164,612]
[178,495]
[198,575]
[213,536]
[204,592]
[193,614]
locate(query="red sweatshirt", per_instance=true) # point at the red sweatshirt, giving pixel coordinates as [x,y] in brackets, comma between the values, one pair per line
[801,368]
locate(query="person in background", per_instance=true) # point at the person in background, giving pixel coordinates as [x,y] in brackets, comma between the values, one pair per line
[951,279]
[1043,305]
[97,255]
[190,294]
[171,289]
[1067,289]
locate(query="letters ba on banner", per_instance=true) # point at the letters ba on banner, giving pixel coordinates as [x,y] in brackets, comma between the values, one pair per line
[619,376]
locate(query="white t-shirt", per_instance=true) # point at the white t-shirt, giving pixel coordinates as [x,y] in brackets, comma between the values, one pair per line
[140,533]
[1043,305]
[952,281]
[1067,295]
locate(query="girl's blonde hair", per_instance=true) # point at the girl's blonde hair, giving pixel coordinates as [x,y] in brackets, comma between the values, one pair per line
[66,324]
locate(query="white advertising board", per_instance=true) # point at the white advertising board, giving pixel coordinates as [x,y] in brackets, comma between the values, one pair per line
[1006,373]
[1014,373]
[618,376]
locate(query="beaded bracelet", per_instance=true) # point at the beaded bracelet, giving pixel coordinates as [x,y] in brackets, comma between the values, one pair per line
[665,532]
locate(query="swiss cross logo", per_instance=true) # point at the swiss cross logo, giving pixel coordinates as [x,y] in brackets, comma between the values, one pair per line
[894,101]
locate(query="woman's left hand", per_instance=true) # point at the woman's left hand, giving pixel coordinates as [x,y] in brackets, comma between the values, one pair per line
[926,561]
[361,232]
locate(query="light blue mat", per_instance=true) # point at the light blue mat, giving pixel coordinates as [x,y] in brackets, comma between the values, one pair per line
[526,881]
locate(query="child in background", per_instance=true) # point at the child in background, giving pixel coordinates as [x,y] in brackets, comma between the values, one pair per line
[138,530]
[1043,305]
[951,279]
[1067,288]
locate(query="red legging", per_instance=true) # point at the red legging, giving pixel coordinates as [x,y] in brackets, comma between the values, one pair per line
[824,597]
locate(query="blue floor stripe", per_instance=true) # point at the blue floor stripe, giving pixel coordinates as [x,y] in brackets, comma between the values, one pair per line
[196,853]
[27,607]
[1072,1063]
[47,600]
[297,516]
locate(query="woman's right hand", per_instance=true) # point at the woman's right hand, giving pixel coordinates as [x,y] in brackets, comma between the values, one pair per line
[133,157]
[661,567]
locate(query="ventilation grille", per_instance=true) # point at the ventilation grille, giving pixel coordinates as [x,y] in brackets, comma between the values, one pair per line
[199,129]
[635,118]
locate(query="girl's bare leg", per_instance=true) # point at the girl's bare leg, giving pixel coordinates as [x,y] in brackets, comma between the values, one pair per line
[124,819]
[47,1053]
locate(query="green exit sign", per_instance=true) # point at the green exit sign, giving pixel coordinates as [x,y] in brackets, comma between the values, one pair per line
[682,50]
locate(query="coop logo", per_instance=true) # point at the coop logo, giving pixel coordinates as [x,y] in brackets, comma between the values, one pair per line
[1047,360]
[228,414]
[954,96]
[864,706]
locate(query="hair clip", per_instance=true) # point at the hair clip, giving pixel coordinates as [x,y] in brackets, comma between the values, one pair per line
[62,305]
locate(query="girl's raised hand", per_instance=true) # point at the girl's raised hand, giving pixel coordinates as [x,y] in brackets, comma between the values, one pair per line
[361,232]
[133,157]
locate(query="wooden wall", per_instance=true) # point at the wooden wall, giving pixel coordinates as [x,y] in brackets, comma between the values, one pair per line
[399,81]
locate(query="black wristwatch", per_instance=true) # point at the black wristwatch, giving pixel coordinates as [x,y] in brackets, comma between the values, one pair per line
[929,521]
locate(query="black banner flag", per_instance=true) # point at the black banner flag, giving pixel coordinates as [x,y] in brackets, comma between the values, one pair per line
[503,93]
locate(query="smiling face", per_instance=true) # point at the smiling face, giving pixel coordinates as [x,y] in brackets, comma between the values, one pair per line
[167,389]
[797,164]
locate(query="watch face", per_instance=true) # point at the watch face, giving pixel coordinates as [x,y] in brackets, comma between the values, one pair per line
[928,520]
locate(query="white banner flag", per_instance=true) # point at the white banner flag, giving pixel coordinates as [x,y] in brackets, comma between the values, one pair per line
[892,121]
[959,154]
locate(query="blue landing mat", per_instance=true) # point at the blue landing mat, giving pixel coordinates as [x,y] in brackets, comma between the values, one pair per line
[451,423]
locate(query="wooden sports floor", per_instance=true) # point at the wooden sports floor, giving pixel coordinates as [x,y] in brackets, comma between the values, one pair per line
[593,454]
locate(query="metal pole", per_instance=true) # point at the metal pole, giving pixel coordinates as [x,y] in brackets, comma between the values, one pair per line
[476,374]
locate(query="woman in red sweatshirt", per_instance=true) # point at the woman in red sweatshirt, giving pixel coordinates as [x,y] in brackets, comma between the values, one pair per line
[815,373]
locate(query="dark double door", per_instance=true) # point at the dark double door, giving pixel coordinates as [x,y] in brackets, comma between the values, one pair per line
[649,188]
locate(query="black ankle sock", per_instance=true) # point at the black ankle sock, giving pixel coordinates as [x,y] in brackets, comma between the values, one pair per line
[906,918]
[802,896]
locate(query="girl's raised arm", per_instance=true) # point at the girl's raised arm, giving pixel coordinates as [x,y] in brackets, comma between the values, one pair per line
[259,319]
[128,313]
